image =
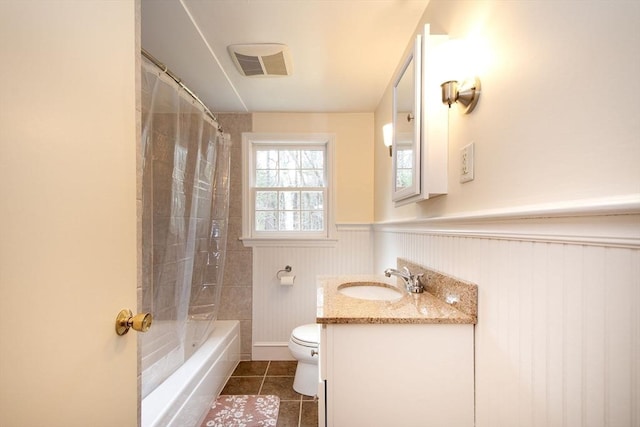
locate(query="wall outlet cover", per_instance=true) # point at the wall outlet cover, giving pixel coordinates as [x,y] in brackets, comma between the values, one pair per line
[466,163]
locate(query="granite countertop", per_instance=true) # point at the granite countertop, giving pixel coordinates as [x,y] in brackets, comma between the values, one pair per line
[335,308]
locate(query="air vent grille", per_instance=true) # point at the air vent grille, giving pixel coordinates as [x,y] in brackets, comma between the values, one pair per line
[250,65]
[253,60]
[275,64]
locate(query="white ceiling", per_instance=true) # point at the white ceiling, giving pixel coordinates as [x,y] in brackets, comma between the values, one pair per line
[344,51]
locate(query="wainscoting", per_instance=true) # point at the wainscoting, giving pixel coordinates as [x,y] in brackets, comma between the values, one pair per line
[277,309]
[558,336]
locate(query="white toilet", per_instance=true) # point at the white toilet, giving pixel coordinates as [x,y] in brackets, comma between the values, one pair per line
[303,345]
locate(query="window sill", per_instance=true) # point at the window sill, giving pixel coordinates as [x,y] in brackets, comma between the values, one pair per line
[320,242]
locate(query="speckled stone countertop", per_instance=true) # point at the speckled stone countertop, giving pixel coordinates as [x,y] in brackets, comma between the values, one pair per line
[335,308]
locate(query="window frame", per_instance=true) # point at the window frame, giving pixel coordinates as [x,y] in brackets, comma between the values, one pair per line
[251,237]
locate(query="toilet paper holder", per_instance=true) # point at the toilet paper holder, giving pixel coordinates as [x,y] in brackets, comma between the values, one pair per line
[286,269]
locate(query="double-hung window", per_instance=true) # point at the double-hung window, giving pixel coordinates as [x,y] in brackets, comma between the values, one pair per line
[287,186]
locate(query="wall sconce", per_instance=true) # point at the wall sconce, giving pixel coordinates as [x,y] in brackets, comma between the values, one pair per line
[458,59]
[387,136]
[466,94]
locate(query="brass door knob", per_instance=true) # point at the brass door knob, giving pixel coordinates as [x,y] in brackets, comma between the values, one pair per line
[125,320]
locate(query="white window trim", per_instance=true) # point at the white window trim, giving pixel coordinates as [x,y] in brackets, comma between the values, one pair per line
[249,238]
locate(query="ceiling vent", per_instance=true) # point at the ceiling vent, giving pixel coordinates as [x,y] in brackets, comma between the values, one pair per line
[261,59]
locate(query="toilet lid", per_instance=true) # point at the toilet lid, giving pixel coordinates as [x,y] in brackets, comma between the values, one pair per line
[306,334]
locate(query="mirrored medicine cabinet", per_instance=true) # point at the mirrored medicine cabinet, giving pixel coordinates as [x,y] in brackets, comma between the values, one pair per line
[420,125]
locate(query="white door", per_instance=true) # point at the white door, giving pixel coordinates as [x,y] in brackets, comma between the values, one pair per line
[67,212]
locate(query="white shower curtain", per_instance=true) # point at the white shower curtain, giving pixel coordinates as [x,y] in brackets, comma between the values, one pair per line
[185,191]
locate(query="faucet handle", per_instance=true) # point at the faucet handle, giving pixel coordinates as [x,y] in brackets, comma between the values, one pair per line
[416,286]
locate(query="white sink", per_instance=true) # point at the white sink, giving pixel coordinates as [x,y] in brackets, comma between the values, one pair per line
[376,291]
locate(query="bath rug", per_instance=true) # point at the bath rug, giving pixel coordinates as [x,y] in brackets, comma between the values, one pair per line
[243,411]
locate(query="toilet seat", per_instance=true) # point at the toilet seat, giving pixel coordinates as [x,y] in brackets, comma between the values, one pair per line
[306,335]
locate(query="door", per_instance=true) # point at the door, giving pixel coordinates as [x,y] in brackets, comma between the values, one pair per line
[67,212]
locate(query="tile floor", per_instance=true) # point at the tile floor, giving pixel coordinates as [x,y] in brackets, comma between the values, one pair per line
[275,377]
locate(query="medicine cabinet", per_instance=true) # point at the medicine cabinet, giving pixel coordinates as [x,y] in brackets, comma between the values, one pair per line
[420,125]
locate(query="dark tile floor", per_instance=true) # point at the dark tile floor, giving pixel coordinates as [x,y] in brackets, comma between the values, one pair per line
[275,377]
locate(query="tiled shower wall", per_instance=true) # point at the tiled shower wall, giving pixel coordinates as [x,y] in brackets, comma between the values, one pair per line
[167,245]
[236,298]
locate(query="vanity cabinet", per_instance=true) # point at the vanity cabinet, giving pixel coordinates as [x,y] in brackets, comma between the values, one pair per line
[409,375]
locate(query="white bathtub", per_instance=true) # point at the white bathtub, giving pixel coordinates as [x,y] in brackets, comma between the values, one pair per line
[182,399]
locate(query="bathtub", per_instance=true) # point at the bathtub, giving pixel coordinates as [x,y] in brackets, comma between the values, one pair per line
[183,398]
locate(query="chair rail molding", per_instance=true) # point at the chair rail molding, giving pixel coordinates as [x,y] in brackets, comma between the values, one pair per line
[608,221]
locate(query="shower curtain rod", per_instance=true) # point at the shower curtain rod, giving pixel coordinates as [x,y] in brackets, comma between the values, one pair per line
[176,79]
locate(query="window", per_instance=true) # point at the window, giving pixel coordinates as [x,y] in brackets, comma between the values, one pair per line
[287,186]
[404,167]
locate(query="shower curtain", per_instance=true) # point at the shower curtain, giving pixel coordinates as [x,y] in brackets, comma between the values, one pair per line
[185,194]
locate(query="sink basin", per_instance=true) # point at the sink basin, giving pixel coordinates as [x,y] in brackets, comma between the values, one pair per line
[376,291]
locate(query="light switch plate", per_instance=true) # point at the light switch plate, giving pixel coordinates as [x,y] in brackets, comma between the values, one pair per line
[466,163]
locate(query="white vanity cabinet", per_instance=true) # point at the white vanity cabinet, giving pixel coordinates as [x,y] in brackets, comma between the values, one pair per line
[408,375]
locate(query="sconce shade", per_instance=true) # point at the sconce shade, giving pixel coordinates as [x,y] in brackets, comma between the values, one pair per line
[387,136]
[449,92]
[466,94]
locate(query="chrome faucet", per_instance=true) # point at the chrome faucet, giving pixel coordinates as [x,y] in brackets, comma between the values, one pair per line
[411,281]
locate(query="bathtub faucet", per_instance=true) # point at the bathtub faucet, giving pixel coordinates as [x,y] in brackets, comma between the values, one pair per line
[411,281]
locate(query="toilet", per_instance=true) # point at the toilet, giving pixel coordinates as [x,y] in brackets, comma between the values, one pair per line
[303,345]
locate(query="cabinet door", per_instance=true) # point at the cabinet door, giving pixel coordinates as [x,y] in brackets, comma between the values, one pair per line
[322,384]
[409,375]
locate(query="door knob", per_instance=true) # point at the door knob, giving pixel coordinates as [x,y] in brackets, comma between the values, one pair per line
[125,320]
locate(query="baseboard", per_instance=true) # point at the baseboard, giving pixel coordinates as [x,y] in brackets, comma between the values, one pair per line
[271,351]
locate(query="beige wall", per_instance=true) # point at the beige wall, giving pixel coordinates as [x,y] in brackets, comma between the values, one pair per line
[353,151]
[556,120]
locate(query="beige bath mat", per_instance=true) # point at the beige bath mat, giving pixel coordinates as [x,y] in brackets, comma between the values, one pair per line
[243,411]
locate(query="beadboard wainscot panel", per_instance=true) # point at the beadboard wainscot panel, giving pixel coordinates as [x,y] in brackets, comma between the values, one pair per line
[278,309]
[557,341]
